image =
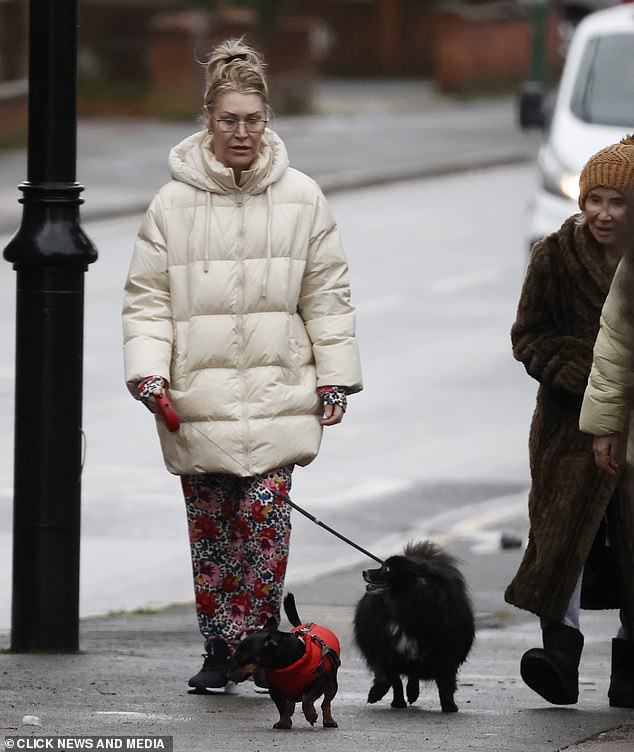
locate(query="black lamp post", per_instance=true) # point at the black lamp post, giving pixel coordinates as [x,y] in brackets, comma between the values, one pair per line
[50,254]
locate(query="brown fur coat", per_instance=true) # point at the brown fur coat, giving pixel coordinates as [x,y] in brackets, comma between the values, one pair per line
[557,322]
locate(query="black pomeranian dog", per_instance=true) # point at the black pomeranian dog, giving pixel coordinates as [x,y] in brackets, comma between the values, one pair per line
[415,620]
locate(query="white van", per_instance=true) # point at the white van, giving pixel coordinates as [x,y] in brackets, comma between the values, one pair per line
[594,107]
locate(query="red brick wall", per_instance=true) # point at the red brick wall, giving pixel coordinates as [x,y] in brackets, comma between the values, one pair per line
[486,48]
[352,31]
[474,45]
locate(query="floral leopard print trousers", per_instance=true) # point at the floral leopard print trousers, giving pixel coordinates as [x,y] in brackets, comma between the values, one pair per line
[239,534]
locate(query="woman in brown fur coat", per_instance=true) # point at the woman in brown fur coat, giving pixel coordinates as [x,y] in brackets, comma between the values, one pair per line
[564,566]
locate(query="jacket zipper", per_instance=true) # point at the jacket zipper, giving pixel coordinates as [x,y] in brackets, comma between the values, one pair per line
[240,251]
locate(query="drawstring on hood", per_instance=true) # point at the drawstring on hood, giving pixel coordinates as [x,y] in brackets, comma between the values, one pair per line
[208,210]
[269,224]
[194,163]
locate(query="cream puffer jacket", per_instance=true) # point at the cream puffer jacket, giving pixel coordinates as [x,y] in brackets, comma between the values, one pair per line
[238,296]
[607,401]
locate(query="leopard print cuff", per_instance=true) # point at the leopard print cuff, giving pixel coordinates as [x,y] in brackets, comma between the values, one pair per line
[333,395]
[148,386]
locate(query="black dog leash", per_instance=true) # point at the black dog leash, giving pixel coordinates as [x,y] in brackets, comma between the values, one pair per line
[312,518]
[287,499]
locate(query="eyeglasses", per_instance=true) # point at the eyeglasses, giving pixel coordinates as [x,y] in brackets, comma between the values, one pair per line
[231,124]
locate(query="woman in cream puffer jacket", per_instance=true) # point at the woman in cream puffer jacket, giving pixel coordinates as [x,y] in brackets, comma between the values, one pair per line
[237,304]
[607,402]
[238,297]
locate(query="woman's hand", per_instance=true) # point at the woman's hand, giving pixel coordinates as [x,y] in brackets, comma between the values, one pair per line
[334,402]
[149,390]
[333,414]
[607,452]
[153,394]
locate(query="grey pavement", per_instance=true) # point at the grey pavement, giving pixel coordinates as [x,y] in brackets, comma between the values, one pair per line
[130,677]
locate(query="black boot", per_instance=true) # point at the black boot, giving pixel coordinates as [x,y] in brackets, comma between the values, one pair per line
[553,671]
[213,674]
[621,691]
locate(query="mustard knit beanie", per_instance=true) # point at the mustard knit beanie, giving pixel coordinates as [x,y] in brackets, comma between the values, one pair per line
[612,167]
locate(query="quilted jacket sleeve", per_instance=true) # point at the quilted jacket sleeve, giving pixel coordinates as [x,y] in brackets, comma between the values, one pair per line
[325,306]
[608,397]
[147,314]
[549,354]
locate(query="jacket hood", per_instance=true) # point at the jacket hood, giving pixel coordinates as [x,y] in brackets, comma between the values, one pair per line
[192,161]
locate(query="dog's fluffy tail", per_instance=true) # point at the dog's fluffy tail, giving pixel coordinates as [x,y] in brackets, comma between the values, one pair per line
[290,609]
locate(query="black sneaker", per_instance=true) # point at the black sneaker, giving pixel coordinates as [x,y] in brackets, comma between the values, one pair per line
[213,674]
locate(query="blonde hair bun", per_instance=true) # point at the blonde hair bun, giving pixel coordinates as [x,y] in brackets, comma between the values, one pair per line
[234,66]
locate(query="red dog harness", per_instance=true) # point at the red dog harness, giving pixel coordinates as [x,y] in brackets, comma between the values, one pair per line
[322,656]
